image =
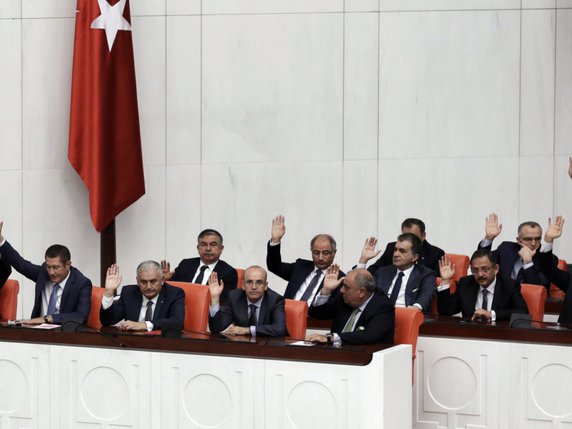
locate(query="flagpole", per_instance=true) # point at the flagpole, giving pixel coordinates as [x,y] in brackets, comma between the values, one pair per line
[107,255]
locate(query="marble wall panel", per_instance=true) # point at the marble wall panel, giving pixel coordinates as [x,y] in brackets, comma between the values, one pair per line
[48,8]
[183,90]
[449,83]
[536,190]
[11,9]
[537,82]
[272,88]
[452,196]
[47,46]
[271,7]
[248,196]
[564,4]
[183,7]
[149,52]
[361,5]
[563,113]
[360,85]
[417,5]
[10,88]
[562,205]
[538,4]
[147,7]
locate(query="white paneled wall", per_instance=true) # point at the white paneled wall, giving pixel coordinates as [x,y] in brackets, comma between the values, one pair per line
[345,116]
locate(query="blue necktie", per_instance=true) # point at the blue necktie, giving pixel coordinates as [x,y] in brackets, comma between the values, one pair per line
[53,300]
[396,287]
[313,283]
[149,312]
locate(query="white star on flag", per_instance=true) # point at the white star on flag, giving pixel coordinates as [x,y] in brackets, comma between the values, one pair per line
[111,20]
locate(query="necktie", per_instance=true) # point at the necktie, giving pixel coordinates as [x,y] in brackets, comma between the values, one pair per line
[149,312]
[252,315]
[485,300]
[201,276]
[350,323]
[53,300]
[310,289]
[396,287]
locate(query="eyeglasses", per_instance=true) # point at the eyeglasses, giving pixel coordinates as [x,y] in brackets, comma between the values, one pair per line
[484,270]
[258,283]
[325,253]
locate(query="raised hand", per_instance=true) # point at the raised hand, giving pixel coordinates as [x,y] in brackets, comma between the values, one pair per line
[368,250]
[112,280]
[166,268]
[331,281]
[1,236]
[446,269]
[526,254]
[570,168]
[215,288]
[554,229]
[278,229]
[492,227]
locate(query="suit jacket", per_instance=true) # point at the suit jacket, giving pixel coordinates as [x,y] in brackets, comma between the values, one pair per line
[506,300]
[507,254]
[294,273]
[76,296]
[375,323]
[430,256]
[271,318]
[5,271]
[561,279]
[420,287]
[170,307]
[187,269]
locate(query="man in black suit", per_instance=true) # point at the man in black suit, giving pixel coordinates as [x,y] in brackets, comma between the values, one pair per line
[305,278]
[405,269]
[62,292]
[429,255]
[517,260]
[560,278]
[254,310]
[198,270]
[484,295]
[360,316]
[149,305]
[5,271]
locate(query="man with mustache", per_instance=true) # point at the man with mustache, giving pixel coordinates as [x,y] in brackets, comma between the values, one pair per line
[484,295]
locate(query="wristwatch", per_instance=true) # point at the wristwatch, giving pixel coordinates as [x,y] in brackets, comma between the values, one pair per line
[46,319]
[329,339]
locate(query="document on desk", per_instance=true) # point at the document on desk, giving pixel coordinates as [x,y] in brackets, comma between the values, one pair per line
[303,343]
[43,326]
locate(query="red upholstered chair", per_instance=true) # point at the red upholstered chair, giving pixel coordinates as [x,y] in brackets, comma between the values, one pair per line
[9,299]
[407,323]
[296,318]
[555,292]
[434,309]
[93,318]
[240,273]
[535,297]
[197,301]
[461,265]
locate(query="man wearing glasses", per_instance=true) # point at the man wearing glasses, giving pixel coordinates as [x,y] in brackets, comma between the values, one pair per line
[254,310]
[484,295]
[62,292]
[517,260]
[305,278]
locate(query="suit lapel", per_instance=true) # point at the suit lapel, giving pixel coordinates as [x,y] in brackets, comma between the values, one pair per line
[160,303]
[242,310]
[263,310]
[66,292]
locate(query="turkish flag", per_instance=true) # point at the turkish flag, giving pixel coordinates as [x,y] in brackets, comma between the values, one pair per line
[105,142]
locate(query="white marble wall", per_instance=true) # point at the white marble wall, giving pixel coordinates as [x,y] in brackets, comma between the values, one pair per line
[345,116]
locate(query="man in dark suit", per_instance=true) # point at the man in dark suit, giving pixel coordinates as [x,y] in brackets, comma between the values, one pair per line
[560,278]
[305,278]
[484,295]
[254,310]
[419,280]
[5,271]
[360,316]
[198,270]
[149,305]
[429,255]
[517,261]
[62,292]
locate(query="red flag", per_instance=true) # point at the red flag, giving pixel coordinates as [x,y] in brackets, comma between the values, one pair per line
[105,143]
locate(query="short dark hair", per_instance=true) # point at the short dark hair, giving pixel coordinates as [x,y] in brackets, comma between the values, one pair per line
[365,280]
[416,245]
[327,236]
[206,232]
[411,221]
[58,251]
[484,253]
[530,224]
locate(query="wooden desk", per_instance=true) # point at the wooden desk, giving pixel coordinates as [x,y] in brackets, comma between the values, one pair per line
[471,375]
[52,379]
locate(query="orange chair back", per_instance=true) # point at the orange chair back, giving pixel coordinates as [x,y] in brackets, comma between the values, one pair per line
[296,318]
[197,301]
[461,265]
[452,288]
[407,323]
[535,297]
[9,299]
[240,274]
[555,292]
[93,318]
